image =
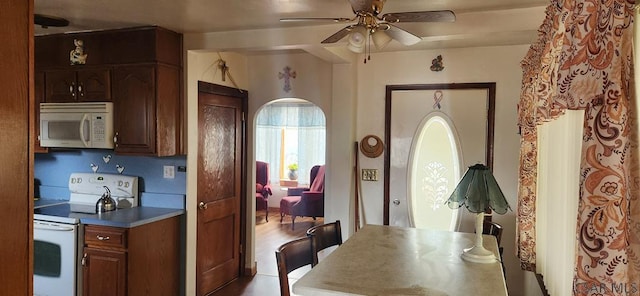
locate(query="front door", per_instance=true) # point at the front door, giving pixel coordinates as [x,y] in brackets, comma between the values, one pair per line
[220,186]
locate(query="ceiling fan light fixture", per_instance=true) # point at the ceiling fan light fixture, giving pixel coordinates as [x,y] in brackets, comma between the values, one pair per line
[380,39]
[357,39]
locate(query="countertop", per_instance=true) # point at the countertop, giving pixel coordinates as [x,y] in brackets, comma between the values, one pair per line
[387,260]
[132,217]
[60,211]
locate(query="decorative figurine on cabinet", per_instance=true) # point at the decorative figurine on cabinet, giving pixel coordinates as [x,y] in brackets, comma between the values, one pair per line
[77,55]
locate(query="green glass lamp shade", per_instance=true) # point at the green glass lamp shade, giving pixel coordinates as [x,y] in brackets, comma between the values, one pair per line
[478,191]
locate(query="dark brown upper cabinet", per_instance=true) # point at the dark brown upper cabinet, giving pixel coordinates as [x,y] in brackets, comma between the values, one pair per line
[138,69]
[146,106]
[82,85]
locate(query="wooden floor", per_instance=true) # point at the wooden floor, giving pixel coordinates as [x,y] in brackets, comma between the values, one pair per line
[269,236]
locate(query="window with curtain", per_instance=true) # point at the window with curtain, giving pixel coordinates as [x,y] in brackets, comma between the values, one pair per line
[291,132]
[559,151]
[560,73]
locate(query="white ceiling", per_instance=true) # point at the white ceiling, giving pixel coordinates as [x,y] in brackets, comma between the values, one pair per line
[479,22]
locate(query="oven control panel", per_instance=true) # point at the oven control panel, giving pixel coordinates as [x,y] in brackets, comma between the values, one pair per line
[87,183]
[87,188]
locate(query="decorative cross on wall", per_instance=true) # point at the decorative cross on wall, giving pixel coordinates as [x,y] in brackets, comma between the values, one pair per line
[287,75]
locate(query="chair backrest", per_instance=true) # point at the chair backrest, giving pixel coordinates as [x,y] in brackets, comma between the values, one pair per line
[291,256]
[317,180]
[324,236]
[492,228]
[313,174]
[262,172]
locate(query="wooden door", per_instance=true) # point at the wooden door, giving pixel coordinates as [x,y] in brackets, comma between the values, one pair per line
[104,272]
[220,189]
[16,116]
[134,104]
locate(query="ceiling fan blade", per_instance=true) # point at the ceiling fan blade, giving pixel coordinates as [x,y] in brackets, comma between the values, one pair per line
[401,35]
[420,16]
[49,21]
[338,35]
[317,19]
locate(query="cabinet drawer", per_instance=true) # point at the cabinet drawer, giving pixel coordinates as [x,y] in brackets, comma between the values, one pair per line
[105,236]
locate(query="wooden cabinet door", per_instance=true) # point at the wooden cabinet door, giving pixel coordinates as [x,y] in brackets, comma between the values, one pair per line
[104,272]
[134,104]
[82,85]
[60,86]
[93,85]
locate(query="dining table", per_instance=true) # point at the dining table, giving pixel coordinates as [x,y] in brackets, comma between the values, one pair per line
[389,260]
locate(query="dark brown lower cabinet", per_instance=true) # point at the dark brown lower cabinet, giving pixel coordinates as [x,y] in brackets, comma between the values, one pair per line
[142,260]
[104,272]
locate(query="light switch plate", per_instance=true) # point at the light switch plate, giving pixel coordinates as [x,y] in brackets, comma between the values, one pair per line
[369,175]
[169,172]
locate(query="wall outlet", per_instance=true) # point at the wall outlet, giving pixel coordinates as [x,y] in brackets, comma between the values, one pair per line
[169,172]
[369,175]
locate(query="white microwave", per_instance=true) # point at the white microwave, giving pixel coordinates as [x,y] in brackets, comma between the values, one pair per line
[77,125]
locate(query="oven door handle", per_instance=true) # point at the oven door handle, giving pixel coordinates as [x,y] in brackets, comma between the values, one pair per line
[52,227]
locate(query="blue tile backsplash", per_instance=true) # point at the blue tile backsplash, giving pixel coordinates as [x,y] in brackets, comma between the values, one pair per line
[52,172]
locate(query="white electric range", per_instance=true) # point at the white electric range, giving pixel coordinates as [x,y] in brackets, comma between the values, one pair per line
[58,231]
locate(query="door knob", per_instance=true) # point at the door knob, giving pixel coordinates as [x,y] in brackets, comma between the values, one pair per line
[396,202]
[202,205]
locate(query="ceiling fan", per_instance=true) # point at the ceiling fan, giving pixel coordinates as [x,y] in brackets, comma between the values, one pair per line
[380,29]
[46,21]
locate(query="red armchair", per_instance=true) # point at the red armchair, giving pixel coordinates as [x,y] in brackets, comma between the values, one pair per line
[305,202]
[263,189]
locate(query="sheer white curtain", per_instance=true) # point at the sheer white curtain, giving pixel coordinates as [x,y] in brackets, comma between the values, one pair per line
[559,155]
[311,150]
[268,143]
[291,132]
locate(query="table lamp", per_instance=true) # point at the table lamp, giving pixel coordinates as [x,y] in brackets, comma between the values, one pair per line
[478,191]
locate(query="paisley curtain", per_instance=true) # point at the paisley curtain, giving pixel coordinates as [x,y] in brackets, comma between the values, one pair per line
[583,59]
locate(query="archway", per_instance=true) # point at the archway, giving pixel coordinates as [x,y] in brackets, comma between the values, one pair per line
[287,131]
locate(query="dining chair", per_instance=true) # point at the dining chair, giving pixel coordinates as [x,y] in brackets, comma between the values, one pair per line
[291,256]
[324,236]
[495,229]
[492,228]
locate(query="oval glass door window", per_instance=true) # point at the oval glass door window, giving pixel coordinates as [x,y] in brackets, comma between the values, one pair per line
[433,173]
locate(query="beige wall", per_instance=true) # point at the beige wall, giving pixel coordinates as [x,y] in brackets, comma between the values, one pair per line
[352,97]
